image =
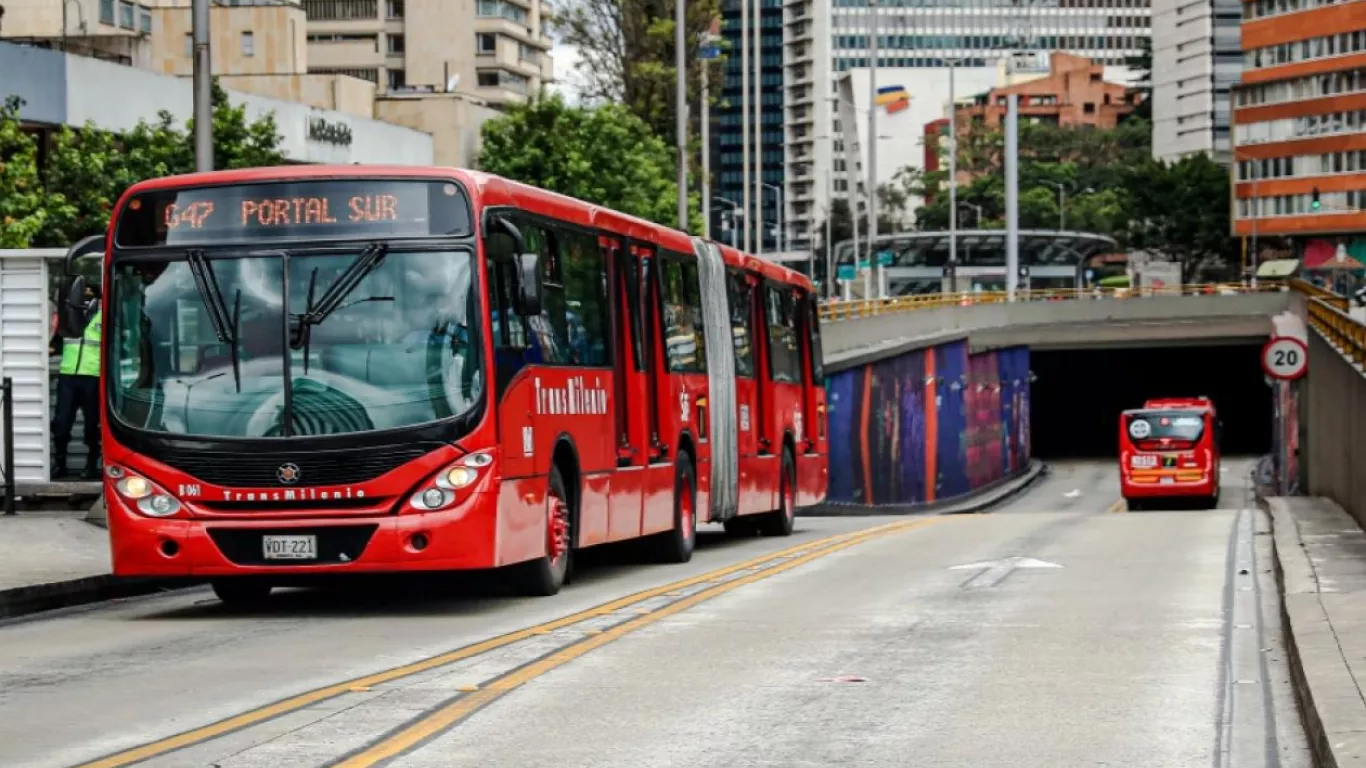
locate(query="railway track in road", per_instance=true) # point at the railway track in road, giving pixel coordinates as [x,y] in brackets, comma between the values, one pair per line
[372,719]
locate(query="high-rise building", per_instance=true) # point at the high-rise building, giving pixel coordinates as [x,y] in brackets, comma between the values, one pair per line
[919,34]
[407,46]
[1197,58]
[730,122]
[1300,123]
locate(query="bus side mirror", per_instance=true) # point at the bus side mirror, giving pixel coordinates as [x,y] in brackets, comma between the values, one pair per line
[529,283]
[528,269]
[73,313]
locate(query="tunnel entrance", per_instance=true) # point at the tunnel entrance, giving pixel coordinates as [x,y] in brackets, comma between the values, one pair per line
[1078,394]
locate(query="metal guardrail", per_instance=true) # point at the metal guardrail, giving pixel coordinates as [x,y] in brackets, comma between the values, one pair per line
[1312,291]
[835,311]
[1341,329]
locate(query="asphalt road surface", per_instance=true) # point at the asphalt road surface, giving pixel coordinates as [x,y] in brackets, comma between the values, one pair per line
[1056,630]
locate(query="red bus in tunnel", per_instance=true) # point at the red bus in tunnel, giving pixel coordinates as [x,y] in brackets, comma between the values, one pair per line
[1170,449]
[326,370]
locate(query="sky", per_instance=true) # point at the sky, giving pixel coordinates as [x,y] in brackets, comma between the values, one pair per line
[563,58]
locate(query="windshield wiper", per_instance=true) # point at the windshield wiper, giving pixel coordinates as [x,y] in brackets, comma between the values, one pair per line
[207,285]
[332,298]
[236,332]
[224,328]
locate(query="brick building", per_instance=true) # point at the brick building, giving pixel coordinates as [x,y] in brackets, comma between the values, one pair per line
[1074,92]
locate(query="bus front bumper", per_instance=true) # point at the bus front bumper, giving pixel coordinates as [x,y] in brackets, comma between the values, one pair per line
[460,539]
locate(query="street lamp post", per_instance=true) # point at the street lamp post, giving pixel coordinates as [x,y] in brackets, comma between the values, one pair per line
[781,239]
[203,87]
[681,108]
[953,171]
[737,213]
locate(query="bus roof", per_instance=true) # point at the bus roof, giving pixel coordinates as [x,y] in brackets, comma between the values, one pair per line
[1179,403]
[487,189]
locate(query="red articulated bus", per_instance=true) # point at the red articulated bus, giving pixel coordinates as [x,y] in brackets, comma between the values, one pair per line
[1169,449]
[327,370]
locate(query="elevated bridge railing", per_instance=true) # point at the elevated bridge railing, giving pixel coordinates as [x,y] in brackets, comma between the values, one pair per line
[838,311]
[1332,403]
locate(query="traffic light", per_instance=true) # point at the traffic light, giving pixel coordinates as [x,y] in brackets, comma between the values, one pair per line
[1314,202]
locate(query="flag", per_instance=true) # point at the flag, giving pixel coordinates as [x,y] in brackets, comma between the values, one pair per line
[890,94]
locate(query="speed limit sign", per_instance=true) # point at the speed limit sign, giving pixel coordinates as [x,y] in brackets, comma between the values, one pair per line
[1285,358]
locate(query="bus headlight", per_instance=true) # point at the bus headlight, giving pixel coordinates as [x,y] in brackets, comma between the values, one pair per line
[149,498]
[442,491]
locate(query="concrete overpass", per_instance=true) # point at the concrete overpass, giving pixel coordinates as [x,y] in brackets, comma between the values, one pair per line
[859,332]
[974,376]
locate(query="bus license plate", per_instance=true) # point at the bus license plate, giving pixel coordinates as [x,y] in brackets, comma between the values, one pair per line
[1167,480]
[290,547]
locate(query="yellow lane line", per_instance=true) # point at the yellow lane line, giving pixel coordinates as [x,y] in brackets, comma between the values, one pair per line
[309,698]
[1117,506]
[448,716]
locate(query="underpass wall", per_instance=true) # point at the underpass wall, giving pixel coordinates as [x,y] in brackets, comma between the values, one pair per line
[1334,460]
[927,425]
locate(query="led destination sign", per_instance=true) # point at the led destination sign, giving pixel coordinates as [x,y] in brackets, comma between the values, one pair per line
[294,211]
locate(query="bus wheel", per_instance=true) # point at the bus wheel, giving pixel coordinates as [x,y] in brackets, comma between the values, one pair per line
[1134,505]
[241,593]
[779,521]
[545,575]
[676,546]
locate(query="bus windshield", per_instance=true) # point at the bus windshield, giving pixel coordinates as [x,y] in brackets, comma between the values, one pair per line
[399,346]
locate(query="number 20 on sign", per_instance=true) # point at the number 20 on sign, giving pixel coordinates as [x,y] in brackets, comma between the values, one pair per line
[1285,358]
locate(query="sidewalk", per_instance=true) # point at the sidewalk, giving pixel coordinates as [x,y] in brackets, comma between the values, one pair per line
[54,560]
[1321,567]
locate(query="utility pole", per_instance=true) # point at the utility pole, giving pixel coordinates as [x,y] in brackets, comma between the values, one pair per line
[681,107]
[872,153]
[744,123]
[706,155]
[758,127]
[709,52]
[1012,195]
[203,87]
[953,179]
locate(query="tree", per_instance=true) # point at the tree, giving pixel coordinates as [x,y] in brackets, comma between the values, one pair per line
[22,210]
[1114,187]
[88,169]
[626,54]
[604,155]
[1142,64]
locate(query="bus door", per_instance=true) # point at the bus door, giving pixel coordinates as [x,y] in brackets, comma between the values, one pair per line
[746,339]
[812,450]
[629,387]
[656,398]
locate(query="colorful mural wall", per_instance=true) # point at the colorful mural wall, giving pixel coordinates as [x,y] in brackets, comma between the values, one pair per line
[928,425]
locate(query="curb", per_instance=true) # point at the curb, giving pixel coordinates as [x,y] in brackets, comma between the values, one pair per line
[37,598]
[969,503]
[1303,617]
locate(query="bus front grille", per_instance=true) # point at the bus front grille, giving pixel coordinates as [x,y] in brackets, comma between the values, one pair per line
[314,469]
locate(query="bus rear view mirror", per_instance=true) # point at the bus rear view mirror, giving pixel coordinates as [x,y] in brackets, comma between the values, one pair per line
[73,313]
[529,284]
[528,269]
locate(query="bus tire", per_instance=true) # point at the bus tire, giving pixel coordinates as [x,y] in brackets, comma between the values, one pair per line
[241,592]
[544,576]
[676,545]
[779,521]
[1133,505]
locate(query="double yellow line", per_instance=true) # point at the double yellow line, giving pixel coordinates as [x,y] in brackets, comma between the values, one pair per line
[430,725]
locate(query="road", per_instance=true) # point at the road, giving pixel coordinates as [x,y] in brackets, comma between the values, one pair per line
[1055,630]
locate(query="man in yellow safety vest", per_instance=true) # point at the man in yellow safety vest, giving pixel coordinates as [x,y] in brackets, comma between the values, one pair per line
[78,389]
